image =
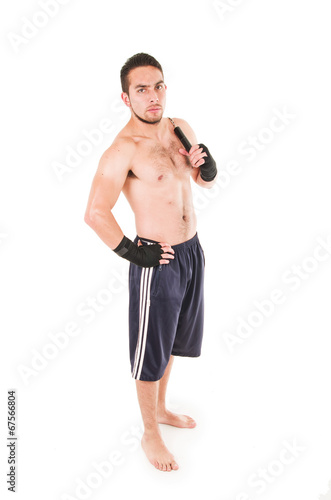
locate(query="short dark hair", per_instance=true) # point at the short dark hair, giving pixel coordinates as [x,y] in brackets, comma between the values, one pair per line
[137,61]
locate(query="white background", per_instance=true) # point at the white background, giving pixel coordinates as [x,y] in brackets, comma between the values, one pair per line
[226,74]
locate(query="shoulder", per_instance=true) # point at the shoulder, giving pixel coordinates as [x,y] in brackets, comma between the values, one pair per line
[121,146]
[181,121]
[186,128]
[118,157]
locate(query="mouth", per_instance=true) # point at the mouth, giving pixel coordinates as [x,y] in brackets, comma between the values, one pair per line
[154,109]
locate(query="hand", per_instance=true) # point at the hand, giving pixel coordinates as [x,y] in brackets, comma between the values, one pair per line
[167,255]
[196,155]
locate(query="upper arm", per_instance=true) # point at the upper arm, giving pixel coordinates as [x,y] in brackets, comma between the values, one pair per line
[188,131]
[110,176]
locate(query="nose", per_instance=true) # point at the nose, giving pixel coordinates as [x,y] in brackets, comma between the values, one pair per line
[154,97]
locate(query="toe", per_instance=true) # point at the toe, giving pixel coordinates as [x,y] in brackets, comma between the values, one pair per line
[174,465]
[164,467]
[191,421]
[168,467]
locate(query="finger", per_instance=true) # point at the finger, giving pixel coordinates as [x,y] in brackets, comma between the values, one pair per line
[168,250]
[162,261]
[194,148]
[200,155]
[167,256]
[197,156]
[197,151]
[183,152]
[201,162]
[166,247]
[196,159]
[139,243]
[198,162]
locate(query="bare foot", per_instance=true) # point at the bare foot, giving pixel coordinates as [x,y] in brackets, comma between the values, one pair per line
[157,452]
[167,417]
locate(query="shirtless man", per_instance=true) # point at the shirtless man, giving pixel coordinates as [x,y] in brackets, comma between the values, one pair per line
[148,163]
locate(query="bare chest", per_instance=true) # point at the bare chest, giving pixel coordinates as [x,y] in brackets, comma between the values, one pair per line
[158,163]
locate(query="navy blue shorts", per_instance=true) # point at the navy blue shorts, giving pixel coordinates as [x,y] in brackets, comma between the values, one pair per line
[166,310]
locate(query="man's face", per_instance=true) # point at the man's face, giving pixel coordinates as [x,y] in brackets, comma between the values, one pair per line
[147,94]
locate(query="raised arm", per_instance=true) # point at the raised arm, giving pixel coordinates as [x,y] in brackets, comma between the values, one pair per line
[195,150]
[107,184]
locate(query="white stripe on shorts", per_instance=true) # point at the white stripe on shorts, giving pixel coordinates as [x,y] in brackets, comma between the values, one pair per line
[144,303]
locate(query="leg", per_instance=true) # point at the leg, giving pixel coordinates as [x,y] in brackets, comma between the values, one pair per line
[152,442]
[165,416]
[189,331]
[163,386]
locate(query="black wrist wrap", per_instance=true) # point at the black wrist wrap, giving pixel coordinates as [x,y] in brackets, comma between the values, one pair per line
[144,255]
[208,170]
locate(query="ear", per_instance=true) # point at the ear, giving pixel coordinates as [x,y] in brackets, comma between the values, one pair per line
[125,99]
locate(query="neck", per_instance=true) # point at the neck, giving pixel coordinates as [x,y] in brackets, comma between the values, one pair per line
[153,130]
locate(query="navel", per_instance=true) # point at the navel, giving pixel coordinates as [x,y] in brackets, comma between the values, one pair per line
[160,177]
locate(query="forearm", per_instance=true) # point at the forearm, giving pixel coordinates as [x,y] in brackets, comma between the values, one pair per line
[203,183]
[106,227]
[204,171]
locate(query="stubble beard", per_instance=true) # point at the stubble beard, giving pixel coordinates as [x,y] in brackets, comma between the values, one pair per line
[149,122]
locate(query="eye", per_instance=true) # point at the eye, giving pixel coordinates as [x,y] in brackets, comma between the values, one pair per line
[141,90]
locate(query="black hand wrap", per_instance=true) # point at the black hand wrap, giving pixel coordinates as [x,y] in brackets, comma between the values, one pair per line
[208,170]
[144,255]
